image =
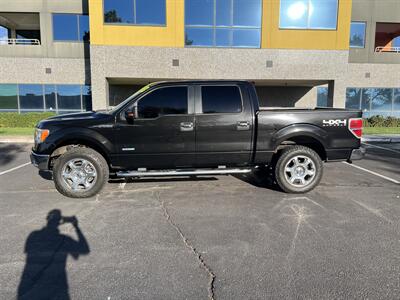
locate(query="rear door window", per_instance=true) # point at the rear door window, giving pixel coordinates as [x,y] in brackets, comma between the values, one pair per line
[221,99]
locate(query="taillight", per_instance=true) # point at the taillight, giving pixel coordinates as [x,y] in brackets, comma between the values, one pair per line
[356,127]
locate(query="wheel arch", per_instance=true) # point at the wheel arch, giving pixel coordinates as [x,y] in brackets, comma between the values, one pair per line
[306,135]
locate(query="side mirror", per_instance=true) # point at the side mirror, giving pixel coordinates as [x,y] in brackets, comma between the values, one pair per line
[130,114]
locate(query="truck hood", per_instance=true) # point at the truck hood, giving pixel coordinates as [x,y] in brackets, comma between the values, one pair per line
[86,118]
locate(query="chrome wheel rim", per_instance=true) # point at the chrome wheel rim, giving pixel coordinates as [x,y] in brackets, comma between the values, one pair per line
[79,174]
[300,171]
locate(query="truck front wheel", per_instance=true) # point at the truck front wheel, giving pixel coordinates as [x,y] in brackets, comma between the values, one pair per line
[80,173]
[298,169]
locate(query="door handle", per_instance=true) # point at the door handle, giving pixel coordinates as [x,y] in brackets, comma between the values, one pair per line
[243,125]
[187,126]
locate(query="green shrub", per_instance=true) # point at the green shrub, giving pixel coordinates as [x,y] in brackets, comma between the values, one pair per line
[28,120]
[380,121]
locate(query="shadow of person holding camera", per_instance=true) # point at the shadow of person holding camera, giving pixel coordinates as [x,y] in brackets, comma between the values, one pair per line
[47,250]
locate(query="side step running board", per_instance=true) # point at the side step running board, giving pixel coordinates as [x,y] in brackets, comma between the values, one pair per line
[157,173]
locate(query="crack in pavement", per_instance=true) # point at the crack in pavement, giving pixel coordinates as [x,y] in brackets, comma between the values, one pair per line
[191,248]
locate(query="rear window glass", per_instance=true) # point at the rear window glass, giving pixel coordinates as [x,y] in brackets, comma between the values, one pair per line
[221,99]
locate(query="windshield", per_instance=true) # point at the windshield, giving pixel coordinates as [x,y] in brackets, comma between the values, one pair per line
[142,90]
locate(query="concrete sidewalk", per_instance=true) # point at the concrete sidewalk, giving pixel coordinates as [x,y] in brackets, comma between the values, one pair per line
[16,139]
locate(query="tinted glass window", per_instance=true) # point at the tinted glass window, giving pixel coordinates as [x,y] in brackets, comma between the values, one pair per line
[396,100]
[357,35]
[247,13]
[120,11]
[322,97]
[143,12]
[3,33]
[199,12]
[70,27]
[31,97]
[381,99]
[323,14]
[308,14]
[50,97]
[223,23]
[8,97]
[221,99]
[353,98]
[366,99]
[69,97]
[294,14]
[65,27]
[164,101]
[199,37]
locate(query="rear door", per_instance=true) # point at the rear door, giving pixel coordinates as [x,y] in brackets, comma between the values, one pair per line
[224,125]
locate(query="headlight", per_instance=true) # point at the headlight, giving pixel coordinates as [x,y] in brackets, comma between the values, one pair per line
[41,135]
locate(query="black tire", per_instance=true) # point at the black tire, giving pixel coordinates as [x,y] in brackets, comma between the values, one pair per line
[90,155]
[287,156]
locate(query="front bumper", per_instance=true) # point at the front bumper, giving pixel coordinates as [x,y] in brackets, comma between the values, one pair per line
[40,161]
[357,154]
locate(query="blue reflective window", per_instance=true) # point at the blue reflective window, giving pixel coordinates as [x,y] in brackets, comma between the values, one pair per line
[120,11]
[4,35]
[31,97]
[246,38]
[396,42]
[308,14]
[69,97]
[322,96]
[8,97]
[396,99]
[223,13]
[223,23]
[199,12]
[50,97]
[247,13]
[357,34]
[353,98]
[140,12]
[65,27]
[70,27]
[199,37]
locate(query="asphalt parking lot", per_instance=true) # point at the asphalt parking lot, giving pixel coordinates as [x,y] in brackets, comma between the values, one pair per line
[224,237]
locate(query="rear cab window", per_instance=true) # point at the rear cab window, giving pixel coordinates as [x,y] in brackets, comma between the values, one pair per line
[221,99]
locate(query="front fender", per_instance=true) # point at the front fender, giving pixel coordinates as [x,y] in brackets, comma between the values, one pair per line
[297,130]
[71,135]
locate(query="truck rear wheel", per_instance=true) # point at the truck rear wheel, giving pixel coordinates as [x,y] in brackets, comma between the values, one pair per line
[80,173]
[298,169]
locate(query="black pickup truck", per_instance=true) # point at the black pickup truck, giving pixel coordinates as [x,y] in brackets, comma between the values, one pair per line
[194,128]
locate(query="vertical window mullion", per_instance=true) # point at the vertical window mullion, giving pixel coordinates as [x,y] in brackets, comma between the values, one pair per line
[231,27]
[44,98]
[18,101]
[215,23]
[81,97]
[134,12]
[360,98]
[78,29]
[56,97]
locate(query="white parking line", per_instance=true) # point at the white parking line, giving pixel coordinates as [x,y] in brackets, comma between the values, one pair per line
[384,148]
[15,168]
[373,173]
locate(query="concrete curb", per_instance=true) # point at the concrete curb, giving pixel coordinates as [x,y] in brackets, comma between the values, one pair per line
[16,140]
[381,139]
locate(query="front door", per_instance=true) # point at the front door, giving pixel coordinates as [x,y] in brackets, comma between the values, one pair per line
[162,133]
[224,126]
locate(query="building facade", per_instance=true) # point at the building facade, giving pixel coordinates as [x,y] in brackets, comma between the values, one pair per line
[301,53]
